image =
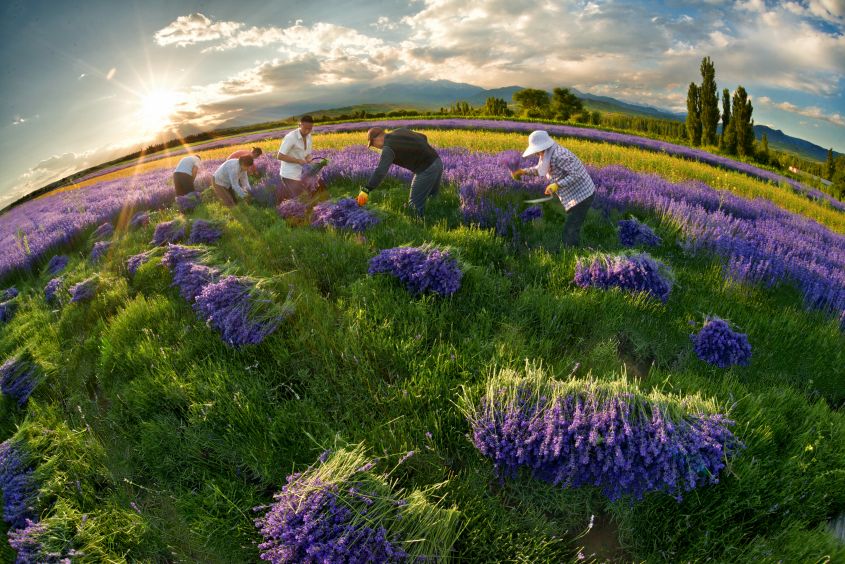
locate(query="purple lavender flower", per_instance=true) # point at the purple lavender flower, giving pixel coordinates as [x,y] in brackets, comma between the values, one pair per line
[292,209]
[717,344]
[191,278]
[99,251]
[188,202]
[140,219]
[104,231]
[8,310]
[56,264]
[169,232]
[9,293]
[632,233]
[203,231]
[234,308]
[176,254]
[407,455]
[531,213]
[634,273]
[27,543]
[18,378]
[17,484]
[420,269]
[343,214]
[84,291]
[51,288]
[625,444]
[134,262]
[263,193]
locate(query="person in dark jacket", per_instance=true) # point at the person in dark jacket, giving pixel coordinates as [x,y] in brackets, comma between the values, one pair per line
[411,151]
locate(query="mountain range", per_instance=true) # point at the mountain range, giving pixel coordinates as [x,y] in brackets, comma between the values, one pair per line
[431,95]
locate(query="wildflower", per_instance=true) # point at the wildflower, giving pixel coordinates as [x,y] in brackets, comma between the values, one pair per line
[420,269]
[406,457]
[719,345]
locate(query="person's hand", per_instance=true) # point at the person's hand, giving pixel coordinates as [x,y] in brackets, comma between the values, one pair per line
[308,159]
[518,174]
[551,189]
[363,198]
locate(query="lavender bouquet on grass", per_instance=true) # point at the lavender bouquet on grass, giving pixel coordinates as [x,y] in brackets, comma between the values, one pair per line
[17,484]
[18,378]
[9,293]
[420,269]
[99,251]
[587,433]
[169,232]
[188,202]
[134,262]
[341,510]
[719,345]
[84,291]
[343,214]
[51,290]
[176,254]
[203,231]
[104,231]
[633,233]
[56,264]
[632,273]
[242,313]
[140,219]
[292,210]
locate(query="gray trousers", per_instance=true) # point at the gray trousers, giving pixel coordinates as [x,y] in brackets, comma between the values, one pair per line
[575,220]
[424,185]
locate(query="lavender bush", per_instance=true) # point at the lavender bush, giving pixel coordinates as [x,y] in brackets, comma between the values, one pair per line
[188,202]
[18,378]
[239,311]
[632,273]
[340,510]
[203,231]
[99,251]
[84,291]
[343,214]
[421,270]
[574,433]
[719,345]
[633,233]
[56,264]
[169,232]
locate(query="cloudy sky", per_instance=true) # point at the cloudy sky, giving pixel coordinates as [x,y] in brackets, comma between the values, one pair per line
[86,81]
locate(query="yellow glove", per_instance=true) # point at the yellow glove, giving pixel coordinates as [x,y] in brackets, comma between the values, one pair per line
[518,173]
[551,188]
[363,198]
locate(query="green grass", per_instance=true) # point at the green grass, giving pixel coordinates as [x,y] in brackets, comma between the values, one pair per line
[144,404]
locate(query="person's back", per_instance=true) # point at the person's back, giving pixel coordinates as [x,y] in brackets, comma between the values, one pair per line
[411,149]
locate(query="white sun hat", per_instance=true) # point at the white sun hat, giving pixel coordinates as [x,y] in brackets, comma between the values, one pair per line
[538,141]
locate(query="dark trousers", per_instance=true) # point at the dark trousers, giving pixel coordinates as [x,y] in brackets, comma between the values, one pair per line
[574,221]
[184,183]
[425,184]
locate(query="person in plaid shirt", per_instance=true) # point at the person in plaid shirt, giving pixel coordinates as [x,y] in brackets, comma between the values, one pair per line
[569,181]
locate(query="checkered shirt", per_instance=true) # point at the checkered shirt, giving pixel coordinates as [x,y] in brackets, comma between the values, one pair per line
[569,173]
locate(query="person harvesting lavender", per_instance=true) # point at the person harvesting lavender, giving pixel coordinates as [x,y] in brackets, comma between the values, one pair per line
[410,150]
[294,152]
[230,180]
[570,181]
[185,174]
[254,153]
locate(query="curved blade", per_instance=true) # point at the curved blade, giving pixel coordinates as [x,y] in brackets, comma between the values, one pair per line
[539,200]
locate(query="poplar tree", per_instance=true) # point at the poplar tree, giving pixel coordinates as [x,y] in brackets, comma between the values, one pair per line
[693,115]
[726,116]
[708,102]
[743,125]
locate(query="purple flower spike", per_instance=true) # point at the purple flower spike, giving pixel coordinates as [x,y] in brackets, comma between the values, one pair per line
[203,231]
[18,379]
[134,262]
[169,232]
[56,264]
[292,209]
[104,231]
[635,273]
[633,233]
[99,251]
[84,291]
[140,219]
[188,202]
[420,269]
[51,289]
[343,214]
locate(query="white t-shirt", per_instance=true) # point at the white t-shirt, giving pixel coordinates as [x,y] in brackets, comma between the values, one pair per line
[293,145]
[187,164]
[230,175]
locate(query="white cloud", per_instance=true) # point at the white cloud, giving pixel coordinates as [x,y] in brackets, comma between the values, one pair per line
[19,120]
[814,112]
[194,28]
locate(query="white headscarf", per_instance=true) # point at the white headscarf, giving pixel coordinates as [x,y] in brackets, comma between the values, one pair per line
[545,161]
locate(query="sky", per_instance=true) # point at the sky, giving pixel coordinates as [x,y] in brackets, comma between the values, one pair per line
[86,81]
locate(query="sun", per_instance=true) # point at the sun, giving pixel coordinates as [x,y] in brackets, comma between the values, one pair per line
[156,108]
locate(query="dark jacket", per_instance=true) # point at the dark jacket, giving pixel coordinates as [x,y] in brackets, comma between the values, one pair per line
[404,148]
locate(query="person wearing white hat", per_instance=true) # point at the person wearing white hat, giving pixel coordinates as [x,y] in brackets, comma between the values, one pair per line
[569,179]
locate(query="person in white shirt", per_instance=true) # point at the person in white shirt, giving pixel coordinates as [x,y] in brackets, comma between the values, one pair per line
[294,152]
[231,182]
[185,174]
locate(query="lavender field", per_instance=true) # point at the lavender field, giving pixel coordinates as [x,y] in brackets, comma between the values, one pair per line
[316,381]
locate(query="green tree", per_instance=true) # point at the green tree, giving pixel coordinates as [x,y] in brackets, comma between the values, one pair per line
[838,177]
[708,102]
[726,117]
[743,125]
[564,104]
[496,107]
[534,102]
[829,168]
[763,154]
[693,114]
[595,118]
